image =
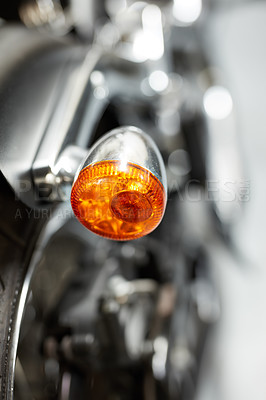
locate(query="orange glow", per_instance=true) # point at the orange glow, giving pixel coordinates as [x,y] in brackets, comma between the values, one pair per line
[120,202]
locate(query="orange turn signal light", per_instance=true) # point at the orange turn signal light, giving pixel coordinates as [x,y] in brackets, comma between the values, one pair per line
[117,198]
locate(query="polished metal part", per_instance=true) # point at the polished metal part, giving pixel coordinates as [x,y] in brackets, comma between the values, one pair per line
[129,144]
[34,77]
[53,225]
[55,184]
[46,165]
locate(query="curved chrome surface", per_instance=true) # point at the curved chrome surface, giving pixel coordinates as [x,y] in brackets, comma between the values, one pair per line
[129,144]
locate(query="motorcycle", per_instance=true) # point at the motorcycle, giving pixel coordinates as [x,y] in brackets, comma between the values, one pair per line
[126,119]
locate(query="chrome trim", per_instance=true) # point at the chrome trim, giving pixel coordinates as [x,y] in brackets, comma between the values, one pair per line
[129,144]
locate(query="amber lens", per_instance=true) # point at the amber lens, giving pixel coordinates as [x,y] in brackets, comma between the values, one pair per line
[116,201]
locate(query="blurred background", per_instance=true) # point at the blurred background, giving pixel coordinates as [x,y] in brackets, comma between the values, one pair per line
[200,67]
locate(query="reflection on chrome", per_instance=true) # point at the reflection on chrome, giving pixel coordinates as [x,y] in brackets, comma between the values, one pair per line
[159,358]
[187,11]
[149,41]
[158,81]
[217,102]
